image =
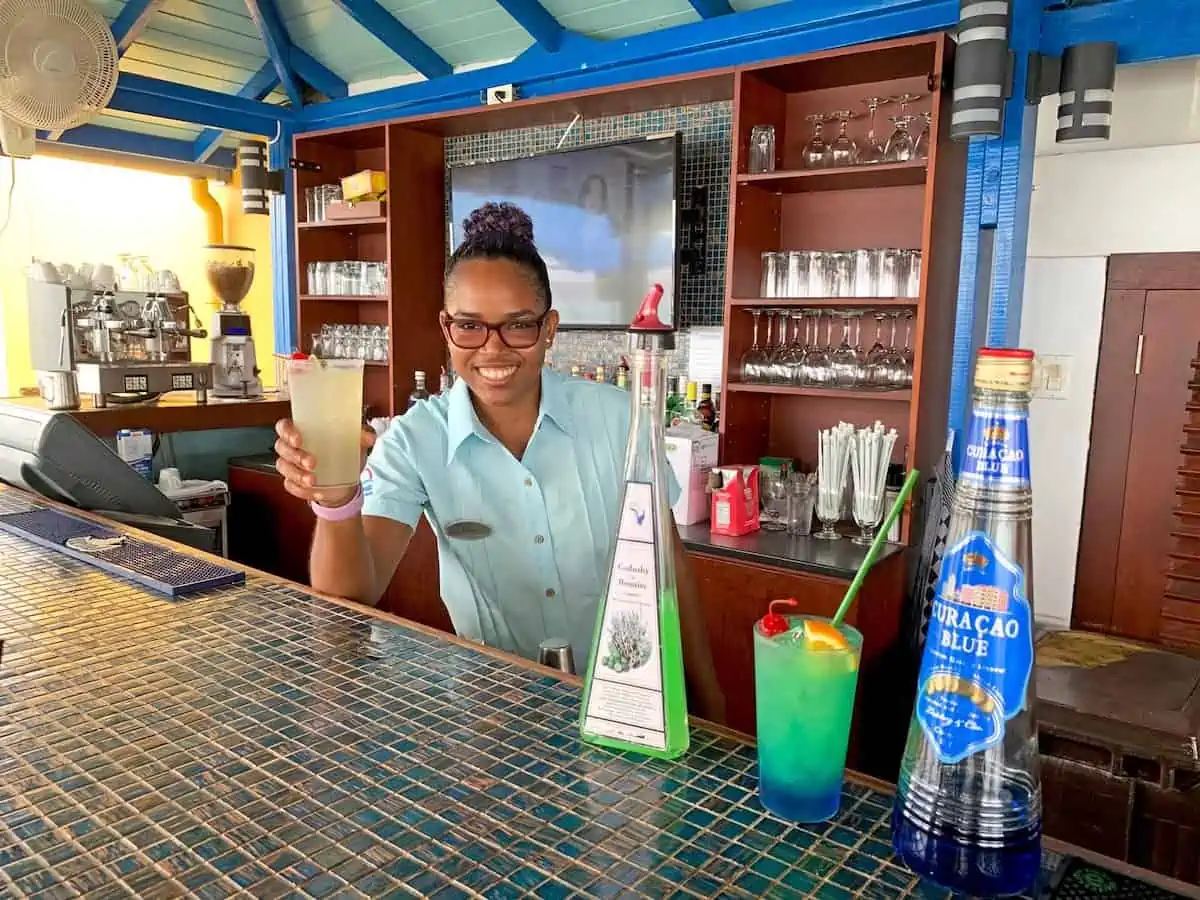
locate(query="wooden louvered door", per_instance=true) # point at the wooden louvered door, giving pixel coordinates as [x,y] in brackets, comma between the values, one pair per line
[1139,557]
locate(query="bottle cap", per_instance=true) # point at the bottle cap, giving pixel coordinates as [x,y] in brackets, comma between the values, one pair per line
[647,316]
[1003,369]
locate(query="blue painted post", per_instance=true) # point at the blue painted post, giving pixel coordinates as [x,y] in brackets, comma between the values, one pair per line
[995,228]
[968,274]
[283,246]
[1015,188]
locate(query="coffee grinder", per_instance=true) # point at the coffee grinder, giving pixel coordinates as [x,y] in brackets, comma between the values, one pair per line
[230,271]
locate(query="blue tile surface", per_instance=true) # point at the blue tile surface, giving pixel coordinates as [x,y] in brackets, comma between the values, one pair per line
[256,741]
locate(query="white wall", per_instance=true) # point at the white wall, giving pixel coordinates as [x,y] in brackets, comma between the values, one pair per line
[1137,193]
[1061,317]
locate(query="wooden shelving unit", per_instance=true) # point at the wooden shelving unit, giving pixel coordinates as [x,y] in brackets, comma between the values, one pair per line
[346,224]
[788,390]
[412,245]
[879,303]
[796,181]
[909,205]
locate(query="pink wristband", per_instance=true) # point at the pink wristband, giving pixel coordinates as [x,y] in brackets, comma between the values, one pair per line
[347,510]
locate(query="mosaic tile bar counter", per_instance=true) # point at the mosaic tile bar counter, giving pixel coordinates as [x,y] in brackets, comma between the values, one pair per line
[261,742]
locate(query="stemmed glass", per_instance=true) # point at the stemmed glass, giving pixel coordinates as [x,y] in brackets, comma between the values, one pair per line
[893,361]
[872,149]
[844,360]
[816,153]
[754,358]
[907,353]
[843,151]
[766,369]
[921,145]
[900,144]
[877,372]
[817,368]
[792,357]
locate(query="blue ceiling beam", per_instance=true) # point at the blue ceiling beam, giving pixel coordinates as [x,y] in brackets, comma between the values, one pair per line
[274,35]
[396,37]
[184,103]
[117,140]
[785,29]
[537,21]
[320,78]
[260,84]
[1144,30]
[710,9]
[131,22]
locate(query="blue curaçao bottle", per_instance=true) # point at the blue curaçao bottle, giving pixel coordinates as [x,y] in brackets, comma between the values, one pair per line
[968,809]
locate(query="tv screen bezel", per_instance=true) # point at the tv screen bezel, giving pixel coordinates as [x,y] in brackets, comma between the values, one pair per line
[676,137]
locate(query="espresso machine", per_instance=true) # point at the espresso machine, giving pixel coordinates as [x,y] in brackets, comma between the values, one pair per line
[123,346]
[230,271]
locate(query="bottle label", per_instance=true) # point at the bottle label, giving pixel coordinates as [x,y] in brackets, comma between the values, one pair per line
[979,652]
[625,697]
[997,448]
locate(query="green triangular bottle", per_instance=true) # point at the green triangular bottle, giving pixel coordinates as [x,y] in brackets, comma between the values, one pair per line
[634,694]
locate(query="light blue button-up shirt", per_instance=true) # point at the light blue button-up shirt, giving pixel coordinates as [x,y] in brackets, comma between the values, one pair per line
[550,517]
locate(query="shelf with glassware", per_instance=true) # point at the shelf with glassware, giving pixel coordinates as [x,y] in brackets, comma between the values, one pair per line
[350,305]
[842,262]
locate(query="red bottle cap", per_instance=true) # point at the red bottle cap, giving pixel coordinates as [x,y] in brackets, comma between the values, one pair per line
[774,623]
[647,317]
[1005,353]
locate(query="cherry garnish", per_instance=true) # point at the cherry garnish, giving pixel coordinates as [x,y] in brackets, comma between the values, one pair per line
[774,623]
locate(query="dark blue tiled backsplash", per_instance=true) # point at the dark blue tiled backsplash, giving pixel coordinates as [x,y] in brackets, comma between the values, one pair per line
[705,133]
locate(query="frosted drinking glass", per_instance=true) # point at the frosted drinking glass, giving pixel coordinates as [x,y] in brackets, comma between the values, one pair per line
[327,410]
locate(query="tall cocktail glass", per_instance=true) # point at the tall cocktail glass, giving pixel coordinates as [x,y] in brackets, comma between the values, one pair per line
[804,685]
[327,409]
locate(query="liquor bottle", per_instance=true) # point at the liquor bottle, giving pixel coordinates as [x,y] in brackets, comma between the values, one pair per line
[687,409]
[444,381]
[634,697]
[706,412]
[674,404]
[602,374]
[419,391]
[968,808]
[576,372]
[622,379]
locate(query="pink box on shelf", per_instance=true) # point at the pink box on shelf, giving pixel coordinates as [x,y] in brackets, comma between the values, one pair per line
[734,500]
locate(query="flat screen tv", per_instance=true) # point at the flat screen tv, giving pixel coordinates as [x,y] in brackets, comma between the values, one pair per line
[604,219]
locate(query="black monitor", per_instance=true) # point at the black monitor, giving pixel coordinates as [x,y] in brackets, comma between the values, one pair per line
[52,454]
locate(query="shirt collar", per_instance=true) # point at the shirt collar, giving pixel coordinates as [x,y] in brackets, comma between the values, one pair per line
[462,421]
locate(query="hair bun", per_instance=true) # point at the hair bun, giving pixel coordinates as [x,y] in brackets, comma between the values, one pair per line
[498,220]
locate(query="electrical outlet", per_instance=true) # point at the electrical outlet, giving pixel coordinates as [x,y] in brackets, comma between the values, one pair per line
[1052,377]
[501,93]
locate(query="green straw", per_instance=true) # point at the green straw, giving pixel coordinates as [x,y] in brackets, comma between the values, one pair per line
[876,545]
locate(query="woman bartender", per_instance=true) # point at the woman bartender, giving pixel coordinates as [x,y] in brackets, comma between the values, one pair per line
[518,470]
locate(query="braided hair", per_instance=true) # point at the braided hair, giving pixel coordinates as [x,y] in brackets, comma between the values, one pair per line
[502,231]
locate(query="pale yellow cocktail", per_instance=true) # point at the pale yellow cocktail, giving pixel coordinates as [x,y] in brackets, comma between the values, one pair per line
[327,410]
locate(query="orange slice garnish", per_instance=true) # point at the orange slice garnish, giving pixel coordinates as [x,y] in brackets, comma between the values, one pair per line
[823,636]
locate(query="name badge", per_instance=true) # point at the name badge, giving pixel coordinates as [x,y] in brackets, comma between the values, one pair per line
[468,531]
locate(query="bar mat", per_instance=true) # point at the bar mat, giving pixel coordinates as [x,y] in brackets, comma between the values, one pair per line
[1083,881]
[152,565]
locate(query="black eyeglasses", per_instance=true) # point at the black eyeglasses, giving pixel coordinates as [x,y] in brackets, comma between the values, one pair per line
[471,334]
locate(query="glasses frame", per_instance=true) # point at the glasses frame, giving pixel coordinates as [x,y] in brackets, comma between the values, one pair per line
[446,320]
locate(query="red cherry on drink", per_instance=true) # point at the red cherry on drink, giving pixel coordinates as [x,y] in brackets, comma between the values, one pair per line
[299,356]
[774,623]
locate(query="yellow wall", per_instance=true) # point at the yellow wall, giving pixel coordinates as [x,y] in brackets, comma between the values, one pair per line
[64,211]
